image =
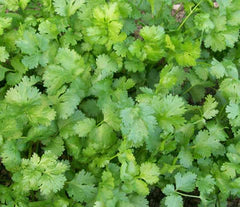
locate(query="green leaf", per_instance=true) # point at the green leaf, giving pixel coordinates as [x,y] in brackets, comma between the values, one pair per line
[206,144]
[185,182]
[209,107]
[105,67]
[137,123]
[2,72]
[35,47]
[27,100]
[188,54]
[55,145]
[206,185]
[67,8]
[45,173]
[5,22]
[217,69]
[169,189]
[169,110]
[69,65]
[82,187]
[3,54]
[84,127]
[149,172]
[185,157]
[141,187]
[174,201]
[233,113]
[134,66]
[68,102]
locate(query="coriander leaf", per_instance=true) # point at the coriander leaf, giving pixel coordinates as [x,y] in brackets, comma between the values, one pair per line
[134,66]
[5,22]
[68,102]
[209,107]
[217,69]
[185,157]
[105,66]
[27,100]
[137,123]
[206,184]
[45,173]
[67,8]
[174,201]
[188,53]
[35,47]
[82,187]
[3,54]
[168,189]
[69,65]
[149,172]
[84,127]
[185,182]
[206,144]
[169,110]
[54,145]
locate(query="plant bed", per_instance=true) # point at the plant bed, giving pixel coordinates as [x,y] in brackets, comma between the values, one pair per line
[119,103]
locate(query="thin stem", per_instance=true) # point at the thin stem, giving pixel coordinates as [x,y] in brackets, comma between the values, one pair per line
[191,12]
[221,111]
[30,151]
[201,38]
[187,90]
[100,123]
[114,156]
[196,122]
[37,147]
[187,195]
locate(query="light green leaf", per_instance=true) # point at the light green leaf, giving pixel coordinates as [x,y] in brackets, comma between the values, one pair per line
[185,182]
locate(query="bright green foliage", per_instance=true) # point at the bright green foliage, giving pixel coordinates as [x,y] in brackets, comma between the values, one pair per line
[84,127]
[81,188]
[103,102]
[138,123]
[206,144]
[149,172]
[35,47]
[26,101]
[45,174]
[209,106]
[105,67]
[3,54]
[174,201]
[169,111]
[185,182]
[67,8]
[105,28]
[5,23]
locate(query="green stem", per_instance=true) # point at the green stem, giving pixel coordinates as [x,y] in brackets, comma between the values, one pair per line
[114,156]
[37,147]
[191,12]
[187,90]
[187,195]
[222,109]
[30,151]
[201,38]
[100,123]
[197,121]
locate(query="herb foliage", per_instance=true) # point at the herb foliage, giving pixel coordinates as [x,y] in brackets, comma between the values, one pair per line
[101,101]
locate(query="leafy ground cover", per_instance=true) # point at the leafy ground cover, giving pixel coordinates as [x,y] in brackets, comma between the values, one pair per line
[119,103]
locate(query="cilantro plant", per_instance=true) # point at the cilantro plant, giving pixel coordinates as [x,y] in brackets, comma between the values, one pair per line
[103,103]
